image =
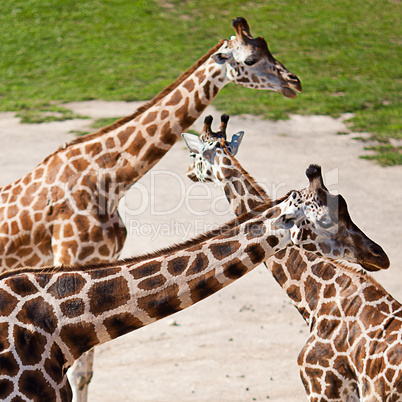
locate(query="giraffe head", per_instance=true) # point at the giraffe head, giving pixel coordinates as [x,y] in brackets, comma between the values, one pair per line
[320,222]
[212,152]
[250,63]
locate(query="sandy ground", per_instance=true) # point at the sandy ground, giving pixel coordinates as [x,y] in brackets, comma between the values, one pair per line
[242,343]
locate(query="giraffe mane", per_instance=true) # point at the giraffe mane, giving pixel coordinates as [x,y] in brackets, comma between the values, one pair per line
[152,102]
[231,226]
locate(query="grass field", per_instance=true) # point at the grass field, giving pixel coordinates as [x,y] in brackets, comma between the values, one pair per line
[347,55]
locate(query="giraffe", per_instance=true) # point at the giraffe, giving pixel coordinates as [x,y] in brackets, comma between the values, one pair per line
[50,316]
[214,161]
[65,210]
[56,212]
[354,351]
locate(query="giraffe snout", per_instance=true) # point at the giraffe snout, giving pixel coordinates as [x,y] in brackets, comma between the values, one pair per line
[375,258]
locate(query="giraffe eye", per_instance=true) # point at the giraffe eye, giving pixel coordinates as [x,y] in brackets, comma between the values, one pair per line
[325,223]
[250,61]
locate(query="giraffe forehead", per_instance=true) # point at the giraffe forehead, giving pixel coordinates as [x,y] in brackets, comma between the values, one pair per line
[240,52]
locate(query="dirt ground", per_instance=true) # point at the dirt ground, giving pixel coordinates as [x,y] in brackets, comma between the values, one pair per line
[242,343]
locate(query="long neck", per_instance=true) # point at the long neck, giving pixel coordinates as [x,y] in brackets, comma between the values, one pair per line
[241,190]
[289,266]
[299,276]
[321,288]
[87,307]
[125,151]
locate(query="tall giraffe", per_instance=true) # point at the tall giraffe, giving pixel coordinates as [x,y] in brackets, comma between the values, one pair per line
[65,210]
[214,161]
[58,211]
[50,316]
[354,351]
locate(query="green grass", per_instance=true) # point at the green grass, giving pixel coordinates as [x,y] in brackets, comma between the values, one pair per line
[104,121]
[347,55]
[45,113]
[387,155]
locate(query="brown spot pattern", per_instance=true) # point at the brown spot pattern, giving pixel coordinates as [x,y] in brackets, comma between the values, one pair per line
[39,313]
[223,250]
[255,252]
[8,303]
[234,269]
[73,307]
[54,364]
[8,365]
[66,285]
[162,304]
[121,324]
[108,295]
[145,270]
[21,285]
[79,338]
[255,230]
[177,265]
[34,386]
[199,264]
[153,282]
[29,345]
[200,288]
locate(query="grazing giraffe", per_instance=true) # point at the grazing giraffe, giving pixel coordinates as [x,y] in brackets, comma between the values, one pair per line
[65,210]
[354,351]
[50,316]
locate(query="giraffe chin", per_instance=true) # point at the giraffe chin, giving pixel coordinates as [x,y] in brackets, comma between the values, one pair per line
[288,93]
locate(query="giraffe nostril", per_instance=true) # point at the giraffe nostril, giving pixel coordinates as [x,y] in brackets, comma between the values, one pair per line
[376,249]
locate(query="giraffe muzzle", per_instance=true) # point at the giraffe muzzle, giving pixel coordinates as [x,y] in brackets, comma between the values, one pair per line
[377,261]
[288,93]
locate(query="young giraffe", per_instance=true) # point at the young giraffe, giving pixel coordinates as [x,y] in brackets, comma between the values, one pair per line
[50,316]
[65,210]
[354,351]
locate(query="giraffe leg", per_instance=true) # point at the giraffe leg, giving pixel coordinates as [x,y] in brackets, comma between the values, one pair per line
[79,376]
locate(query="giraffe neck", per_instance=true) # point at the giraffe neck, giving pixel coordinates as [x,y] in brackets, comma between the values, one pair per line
[87,307]
[124,152]
[318,288]
[241,189]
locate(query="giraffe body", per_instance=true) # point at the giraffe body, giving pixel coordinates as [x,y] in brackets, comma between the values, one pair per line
[354,351]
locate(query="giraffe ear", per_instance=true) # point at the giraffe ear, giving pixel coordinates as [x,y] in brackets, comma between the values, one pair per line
[193,142]
[235,142]
[222,58]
